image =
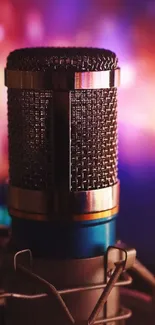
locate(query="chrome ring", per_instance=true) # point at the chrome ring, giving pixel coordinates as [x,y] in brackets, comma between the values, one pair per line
[27,200]
[62,80]
[73,203]
[95,200]
[97,79]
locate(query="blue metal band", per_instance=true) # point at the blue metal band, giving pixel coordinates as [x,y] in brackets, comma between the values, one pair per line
[92,238]
[59,240]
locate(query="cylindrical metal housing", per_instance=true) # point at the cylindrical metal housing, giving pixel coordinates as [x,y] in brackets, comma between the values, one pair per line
[62,122]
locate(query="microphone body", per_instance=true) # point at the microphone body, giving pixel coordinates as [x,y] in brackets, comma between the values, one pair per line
[63,183]
[62,122]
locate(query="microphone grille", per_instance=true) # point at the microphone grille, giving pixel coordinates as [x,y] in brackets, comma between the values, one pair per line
[94,139]
[76,59]
[93,122]
[30,147]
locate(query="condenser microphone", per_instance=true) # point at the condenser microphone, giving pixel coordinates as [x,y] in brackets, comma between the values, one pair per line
[63,186]
[62,123]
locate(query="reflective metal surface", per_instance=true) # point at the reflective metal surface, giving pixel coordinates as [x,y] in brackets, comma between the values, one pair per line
[97,79]
[62,80]
[27,200]
[125,252]
[97,216]
[96,200]
[24,203]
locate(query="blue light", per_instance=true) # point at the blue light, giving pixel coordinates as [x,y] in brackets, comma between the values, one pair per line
[5,219]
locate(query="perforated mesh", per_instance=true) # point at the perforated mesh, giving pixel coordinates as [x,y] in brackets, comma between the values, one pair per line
[93,123]
[30,141]
[93,139]
[76,59]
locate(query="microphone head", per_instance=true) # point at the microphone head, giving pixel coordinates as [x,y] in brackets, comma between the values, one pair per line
[56,58]
[93,121]
[62,122]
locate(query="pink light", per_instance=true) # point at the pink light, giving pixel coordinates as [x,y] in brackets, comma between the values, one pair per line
[136,105]
[3,94]
[135,144]
[107,26]
[128,75]
[34,27]
[2,33]
[60,42]
[83,39]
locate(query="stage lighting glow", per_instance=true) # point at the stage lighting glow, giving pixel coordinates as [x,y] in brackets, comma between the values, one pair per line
[34,27]
[83,39]
[2,33]
[3,96]
[128,75]
[5,219]
[60,42]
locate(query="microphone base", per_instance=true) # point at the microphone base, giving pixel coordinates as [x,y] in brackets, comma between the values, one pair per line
[63,274]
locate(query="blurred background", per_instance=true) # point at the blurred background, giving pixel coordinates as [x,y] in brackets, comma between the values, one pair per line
[128,28]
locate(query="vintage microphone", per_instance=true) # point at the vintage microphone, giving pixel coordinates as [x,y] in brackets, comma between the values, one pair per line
[63,182]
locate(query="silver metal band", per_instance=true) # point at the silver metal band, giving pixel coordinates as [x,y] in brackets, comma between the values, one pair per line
[97,79]
[37,202]
[57,80]
[96,200]
[27,200]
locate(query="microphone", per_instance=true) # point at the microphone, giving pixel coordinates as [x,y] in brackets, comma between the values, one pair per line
[62,123]
[63,184]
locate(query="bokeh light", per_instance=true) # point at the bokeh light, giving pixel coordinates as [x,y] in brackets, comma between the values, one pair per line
[34,28]
[2,33]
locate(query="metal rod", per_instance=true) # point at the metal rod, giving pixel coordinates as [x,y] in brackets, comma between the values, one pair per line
[20,253]
[127,281]
[104,296]
[127,313]
[102,300]
[51,289]
[22,296]
[127,278]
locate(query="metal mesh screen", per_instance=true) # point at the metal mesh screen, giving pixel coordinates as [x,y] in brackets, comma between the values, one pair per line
[93,123]
[77,59]
[93,139]
[30,139]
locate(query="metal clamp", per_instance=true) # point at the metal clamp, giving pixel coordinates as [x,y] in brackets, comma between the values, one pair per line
[123,264]
[120,266]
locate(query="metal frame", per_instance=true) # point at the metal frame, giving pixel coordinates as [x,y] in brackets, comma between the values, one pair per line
[120,266]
